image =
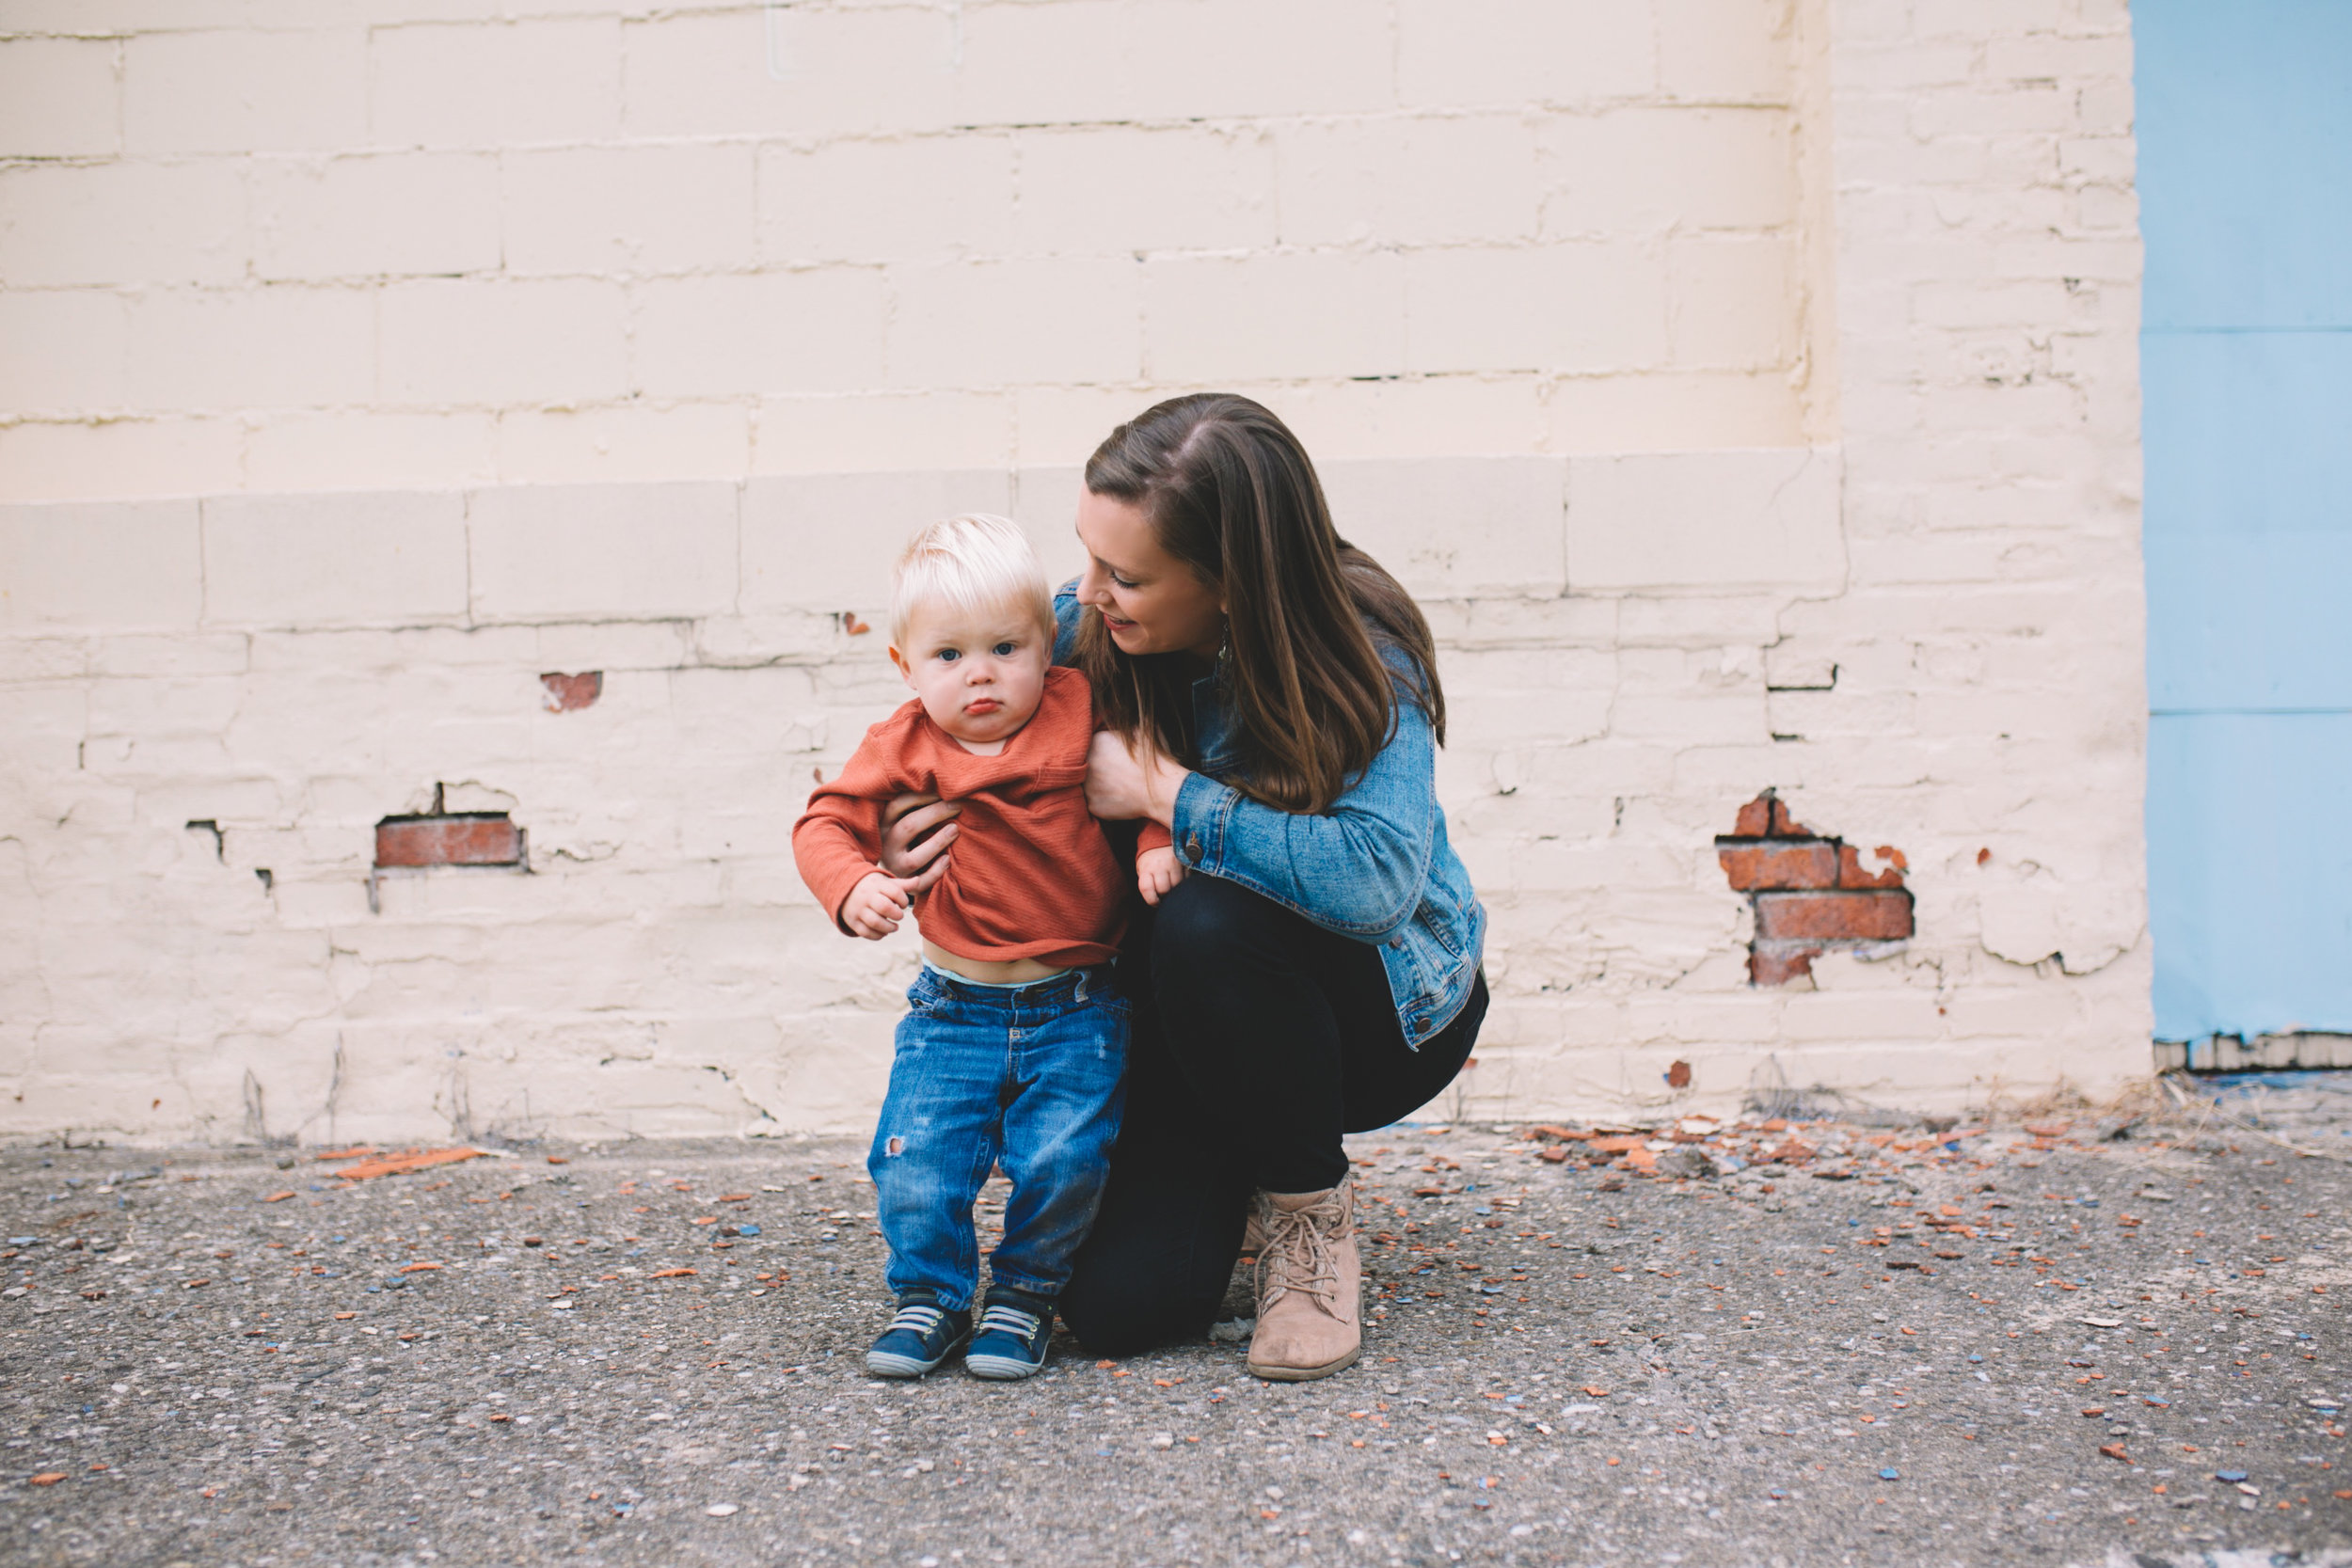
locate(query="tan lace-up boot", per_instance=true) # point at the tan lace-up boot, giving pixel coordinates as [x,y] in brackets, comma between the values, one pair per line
[1310,1285]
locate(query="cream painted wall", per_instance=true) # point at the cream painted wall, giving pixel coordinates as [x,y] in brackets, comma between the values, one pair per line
[1748,389]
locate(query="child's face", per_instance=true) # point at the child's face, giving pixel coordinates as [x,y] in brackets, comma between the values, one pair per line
[979,676]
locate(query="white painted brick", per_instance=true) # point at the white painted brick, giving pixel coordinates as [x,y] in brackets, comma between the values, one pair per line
[1474,53]
[243,90]
[1046,64]
[121,459]
[1121,189]
[1645,169]
[1705,520]
[370,448]
[987,324]
[63,351]
[26,659]
[1727,51]
[1991,527]
[172,654]
[60,98]
[503,84]
[1477,526]
[911,199]
[1644,413]
[627,210]
[836,71]
[99,566]
[1046,504]
[1422,181]
[122,223]
[882,431]
[1062,425]
[1082,61]
[204,349]
[630,443]
[827,541]
[628,551]
[555,342]
[392,215]
[339,559]
[769,332]
[1443,416]
[1306,56]
[1291,314]
[1732,301]
[1561,308]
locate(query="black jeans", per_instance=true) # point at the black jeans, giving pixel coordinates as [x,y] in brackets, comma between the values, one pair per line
[1265,1037]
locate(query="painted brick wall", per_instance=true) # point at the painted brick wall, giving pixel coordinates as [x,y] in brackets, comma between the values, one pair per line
[589,243]
[439,435]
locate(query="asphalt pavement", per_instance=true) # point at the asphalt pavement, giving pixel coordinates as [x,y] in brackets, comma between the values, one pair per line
[2080,1340]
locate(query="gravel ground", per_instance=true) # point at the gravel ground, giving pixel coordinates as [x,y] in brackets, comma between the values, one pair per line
[1947,1347]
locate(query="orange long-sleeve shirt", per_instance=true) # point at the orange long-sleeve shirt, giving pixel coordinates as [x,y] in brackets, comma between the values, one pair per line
[1031,875]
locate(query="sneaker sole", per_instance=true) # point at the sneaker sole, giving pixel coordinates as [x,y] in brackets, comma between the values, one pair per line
[1305,1374]
[884,1364]
[1001,1368]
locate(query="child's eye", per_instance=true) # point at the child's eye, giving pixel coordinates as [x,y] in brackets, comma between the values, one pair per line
[1004,649]
[949,655]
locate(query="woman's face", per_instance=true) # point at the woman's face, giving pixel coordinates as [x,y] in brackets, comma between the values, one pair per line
[1150,602]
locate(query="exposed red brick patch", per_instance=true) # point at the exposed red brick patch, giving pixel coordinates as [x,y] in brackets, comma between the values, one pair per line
[1838,915]
[1810,891]
[469,838]
[1679,1076]
[1775,966]
[568,693]
[1767,864]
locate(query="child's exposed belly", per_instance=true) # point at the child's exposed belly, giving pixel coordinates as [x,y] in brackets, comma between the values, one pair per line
[990,972]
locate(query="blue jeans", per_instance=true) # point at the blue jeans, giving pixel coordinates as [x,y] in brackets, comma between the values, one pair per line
[1029,1077]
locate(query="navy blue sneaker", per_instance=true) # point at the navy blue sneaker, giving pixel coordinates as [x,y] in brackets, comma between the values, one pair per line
[1011,1340]
[923,1335]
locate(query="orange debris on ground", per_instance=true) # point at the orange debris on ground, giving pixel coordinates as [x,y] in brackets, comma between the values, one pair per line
[407,1160]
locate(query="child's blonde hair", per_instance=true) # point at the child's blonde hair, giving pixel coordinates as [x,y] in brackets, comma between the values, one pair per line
[974,563]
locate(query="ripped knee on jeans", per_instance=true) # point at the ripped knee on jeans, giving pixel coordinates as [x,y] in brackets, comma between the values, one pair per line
[895,1146]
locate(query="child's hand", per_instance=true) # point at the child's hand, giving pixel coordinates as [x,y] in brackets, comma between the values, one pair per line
[1156,871]
[876,904]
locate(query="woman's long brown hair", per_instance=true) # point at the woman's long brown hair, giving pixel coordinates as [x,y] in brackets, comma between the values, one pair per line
[1230,494]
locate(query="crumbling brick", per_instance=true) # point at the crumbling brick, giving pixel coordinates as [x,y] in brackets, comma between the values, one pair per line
[1770,864]
[1838,915]
[472,838]
[568,693]
[1810,892]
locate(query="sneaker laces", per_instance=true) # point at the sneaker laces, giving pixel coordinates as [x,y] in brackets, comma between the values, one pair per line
[1004,1318]
[919,1316]
[1298,1255]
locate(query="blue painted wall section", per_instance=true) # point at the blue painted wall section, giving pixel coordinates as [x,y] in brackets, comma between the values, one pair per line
[2245,130]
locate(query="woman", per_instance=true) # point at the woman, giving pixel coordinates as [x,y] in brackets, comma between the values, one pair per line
[1272,698]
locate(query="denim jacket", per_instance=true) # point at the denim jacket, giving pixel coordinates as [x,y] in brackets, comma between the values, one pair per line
[1376,866]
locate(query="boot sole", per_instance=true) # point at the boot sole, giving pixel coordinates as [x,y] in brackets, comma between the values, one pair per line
[1306,1374]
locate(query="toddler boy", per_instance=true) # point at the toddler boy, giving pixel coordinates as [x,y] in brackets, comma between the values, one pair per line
[1015,1041]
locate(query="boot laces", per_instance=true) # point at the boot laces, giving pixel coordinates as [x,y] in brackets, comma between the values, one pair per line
[1298,1254]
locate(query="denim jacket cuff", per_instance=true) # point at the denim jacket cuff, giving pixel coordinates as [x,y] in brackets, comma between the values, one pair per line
[1204,807]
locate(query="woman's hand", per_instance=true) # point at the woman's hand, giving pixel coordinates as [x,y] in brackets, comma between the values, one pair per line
[1124,782]
[908,818]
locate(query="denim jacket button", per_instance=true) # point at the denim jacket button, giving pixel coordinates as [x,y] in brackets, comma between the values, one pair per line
[1192,849]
